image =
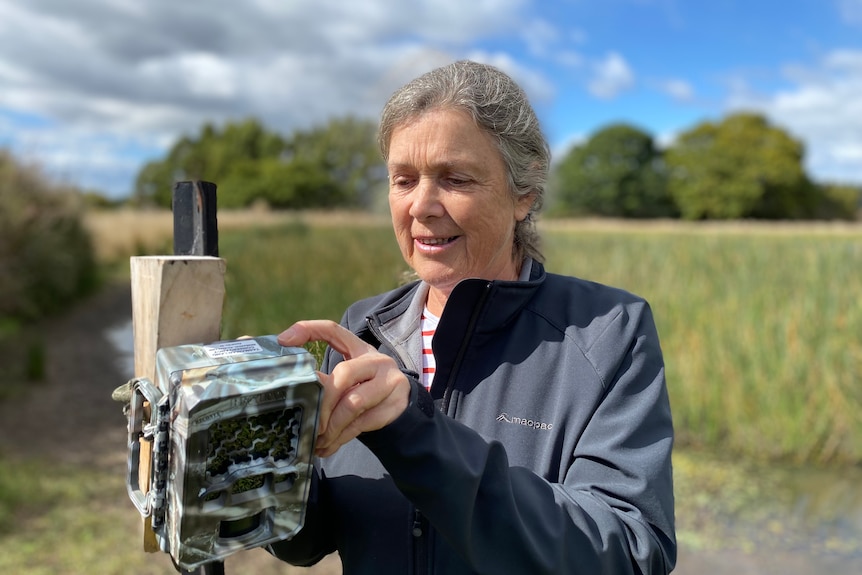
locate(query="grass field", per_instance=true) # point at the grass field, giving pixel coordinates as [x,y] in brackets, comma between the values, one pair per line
[760,322]
[760,326]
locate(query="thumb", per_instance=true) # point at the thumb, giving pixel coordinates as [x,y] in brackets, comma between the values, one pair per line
[323,413]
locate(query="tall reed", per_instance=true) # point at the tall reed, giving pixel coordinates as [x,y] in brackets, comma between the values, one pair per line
[281,274]
[761,331]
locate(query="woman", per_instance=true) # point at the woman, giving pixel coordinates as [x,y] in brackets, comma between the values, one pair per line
[534,436]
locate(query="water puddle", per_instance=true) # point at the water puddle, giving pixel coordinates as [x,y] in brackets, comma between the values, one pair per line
[829,502]
[121,338]
[731,504]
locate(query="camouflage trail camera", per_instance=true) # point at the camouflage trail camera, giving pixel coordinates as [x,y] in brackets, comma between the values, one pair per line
[232,426]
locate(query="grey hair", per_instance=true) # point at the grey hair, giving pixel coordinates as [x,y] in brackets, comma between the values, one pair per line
[499,107]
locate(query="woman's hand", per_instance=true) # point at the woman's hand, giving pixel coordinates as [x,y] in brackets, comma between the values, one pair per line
[365,392]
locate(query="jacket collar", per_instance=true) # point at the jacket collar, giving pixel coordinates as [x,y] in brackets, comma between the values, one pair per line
[496,302]
[397,316]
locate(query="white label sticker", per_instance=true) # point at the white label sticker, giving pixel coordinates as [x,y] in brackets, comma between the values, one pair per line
[229,348]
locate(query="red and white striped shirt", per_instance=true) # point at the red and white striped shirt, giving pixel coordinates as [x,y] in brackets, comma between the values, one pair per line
[428,326]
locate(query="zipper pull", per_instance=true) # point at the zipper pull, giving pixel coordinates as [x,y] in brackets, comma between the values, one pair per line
[417,524]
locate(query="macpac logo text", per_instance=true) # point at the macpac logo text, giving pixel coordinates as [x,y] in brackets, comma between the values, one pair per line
[525,422]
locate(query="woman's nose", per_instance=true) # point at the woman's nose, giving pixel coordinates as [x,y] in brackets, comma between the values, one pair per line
[427,200]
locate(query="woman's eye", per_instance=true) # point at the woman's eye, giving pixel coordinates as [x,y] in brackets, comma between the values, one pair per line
[457,180]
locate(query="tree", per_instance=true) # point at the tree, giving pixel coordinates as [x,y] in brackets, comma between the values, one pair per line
[295,184]
[838,202]
[741,167]
[618,172]
[346,149]
[336,164]
[213,156]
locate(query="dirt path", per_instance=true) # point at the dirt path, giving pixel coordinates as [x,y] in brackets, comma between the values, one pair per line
[71,418]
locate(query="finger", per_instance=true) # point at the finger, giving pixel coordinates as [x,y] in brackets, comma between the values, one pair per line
[346,413]
[344,376]
[338,338]
[366,407]
[370,420]
[323,410]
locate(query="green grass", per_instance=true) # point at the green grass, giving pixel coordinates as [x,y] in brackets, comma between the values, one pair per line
[761,334]
[63,519]
[761,331]
[67,519]
[279,275]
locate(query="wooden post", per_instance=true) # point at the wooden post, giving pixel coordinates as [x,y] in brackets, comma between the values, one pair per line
[195,225]
[177,299]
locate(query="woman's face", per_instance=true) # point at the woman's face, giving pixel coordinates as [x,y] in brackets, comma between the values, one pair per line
[452,211]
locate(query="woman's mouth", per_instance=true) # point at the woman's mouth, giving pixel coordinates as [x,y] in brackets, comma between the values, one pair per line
[436,241]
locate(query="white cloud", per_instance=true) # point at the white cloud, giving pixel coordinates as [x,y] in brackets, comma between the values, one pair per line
[569,59]
[540,38]
[90,159]
[536,86]
[546,42]
[104,73]
[199,73]
[677,89]
[822,107]
[850,152]
[612,75]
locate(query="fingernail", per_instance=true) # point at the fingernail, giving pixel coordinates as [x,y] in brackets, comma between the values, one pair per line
[286,335]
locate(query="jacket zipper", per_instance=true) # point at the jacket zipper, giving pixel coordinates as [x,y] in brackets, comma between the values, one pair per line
[420,543]
[419,527]
[420,524]
[456,365]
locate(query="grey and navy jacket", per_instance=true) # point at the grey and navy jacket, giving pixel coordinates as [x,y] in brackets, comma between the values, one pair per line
[544,445]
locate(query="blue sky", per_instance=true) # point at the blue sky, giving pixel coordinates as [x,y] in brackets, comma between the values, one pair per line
[90,90]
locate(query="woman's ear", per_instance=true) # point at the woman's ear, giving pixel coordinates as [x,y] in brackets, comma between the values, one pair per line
[523,205]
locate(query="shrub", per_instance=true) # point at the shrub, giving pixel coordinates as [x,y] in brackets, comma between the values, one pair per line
[46,256]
